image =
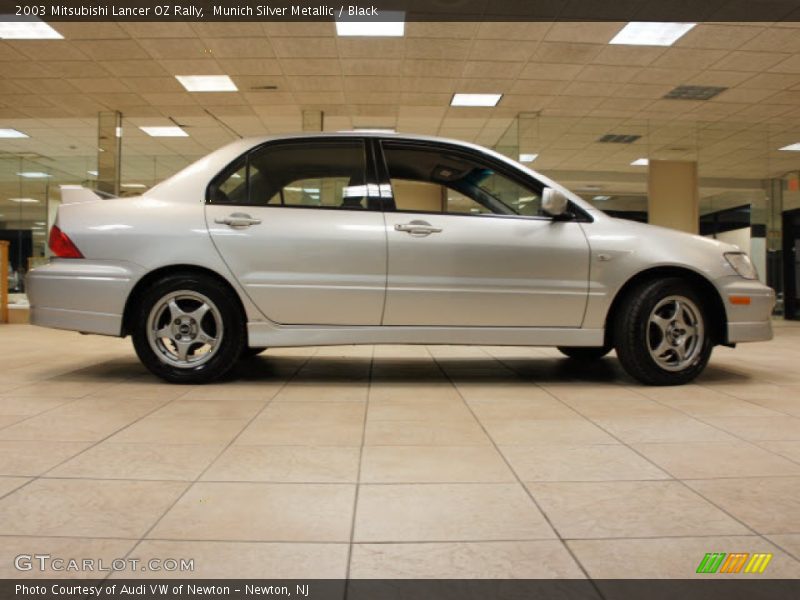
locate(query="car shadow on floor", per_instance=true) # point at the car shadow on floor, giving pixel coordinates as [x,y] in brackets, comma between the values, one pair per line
[345,369]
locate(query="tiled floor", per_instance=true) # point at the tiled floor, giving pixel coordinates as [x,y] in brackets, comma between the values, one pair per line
[398,462]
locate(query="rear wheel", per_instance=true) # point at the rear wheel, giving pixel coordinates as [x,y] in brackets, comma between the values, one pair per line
[188,329]
[584,353]
[662,334]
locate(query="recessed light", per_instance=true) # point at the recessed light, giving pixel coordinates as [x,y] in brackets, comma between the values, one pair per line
[168,131]
[475,99]
[12,133]
[392,25]
[33,175]
[24,200]
[640,162]
[527,158]
[207,83]
[792,147]
[27,30]
[138,186]
[638,33]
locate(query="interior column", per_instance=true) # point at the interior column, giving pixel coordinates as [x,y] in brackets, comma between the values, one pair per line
[673,195]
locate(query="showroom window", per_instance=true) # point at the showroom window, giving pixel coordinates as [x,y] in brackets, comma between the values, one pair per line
[437,180]
[304,175]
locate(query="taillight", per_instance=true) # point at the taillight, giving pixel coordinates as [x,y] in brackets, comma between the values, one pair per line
[61,245]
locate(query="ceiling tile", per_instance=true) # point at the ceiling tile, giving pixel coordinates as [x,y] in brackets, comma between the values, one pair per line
[557,52]
[111,49]
[239,48]
[750,61]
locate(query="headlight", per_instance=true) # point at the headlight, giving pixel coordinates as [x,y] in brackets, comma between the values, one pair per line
[741,264]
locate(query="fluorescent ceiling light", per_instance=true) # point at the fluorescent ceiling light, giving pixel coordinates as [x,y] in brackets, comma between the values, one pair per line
[527,158]
[170,131]
[638,33]
[92,173]
[24,200]
[375,130]
[27,30]
[207,83]
[365,28]
[601,198]
[475,99]
[640,162]
[792,147]
[12,133]
[133,185]
[33,175]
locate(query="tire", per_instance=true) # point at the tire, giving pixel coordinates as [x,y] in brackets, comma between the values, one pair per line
[584,353]
[662,334]
[248,352]
[177,318]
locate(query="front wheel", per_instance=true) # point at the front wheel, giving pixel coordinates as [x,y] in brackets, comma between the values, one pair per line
[662,333]
[189,329]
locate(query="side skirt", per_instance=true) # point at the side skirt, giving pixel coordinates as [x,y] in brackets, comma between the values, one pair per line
[272,336]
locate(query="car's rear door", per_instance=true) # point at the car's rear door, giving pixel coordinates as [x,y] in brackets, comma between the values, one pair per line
[468,245]
[295,223]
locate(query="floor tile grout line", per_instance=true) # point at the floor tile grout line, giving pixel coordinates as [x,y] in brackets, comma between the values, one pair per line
[394,542]
[91,445]
[700,494]
[514,472]
[190,484]
[358,476]
[753,443]
[390,483]
[682,482]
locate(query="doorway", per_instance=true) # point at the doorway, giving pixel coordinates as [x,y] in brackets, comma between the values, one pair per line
[791,264]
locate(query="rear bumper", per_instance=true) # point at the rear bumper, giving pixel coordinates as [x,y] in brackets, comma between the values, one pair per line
[751,322]
[81,295]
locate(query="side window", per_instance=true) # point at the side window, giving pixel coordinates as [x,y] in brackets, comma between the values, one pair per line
[232,187]
[434,180]
[311,174]
[324,174]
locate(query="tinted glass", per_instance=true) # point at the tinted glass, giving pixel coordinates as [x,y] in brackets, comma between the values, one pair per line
[435,180]
[309,174]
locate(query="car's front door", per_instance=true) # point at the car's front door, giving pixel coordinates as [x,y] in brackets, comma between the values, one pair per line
[468,245]
[296,225]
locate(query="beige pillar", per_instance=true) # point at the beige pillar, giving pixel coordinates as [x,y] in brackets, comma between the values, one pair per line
[672,194]
[313,120]
[109,151]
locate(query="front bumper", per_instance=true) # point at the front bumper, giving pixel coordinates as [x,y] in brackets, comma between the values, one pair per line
[751,322]
[81,295]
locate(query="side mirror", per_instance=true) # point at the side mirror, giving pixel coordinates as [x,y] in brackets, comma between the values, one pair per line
[554,203]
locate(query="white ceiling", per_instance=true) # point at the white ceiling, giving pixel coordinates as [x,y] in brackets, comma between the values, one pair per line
[580,87]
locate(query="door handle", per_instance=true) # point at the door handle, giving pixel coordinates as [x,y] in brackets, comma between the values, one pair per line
[238,220]
[417,228]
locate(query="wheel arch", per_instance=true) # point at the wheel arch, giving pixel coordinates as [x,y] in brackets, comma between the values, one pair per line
[710,296]
[149,278]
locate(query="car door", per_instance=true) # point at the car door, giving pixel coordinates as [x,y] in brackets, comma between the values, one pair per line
[295,224]
[468,245]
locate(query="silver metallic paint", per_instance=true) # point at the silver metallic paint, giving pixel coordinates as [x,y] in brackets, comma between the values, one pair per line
[324,268]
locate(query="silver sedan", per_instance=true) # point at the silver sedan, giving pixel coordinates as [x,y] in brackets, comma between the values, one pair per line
[376,239]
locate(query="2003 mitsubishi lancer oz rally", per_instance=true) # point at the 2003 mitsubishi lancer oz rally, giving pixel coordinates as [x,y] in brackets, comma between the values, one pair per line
[373,239]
